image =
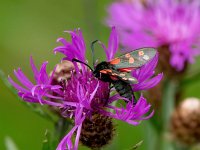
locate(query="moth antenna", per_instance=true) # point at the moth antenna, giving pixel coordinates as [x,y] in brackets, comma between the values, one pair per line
[76,60]
[92,47]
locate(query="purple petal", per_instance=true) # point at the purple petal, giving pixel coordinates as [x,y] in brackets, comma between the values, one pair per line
[34,69]
[148,84]
[43,76]
[112,44]
[22,78]
[19,88]
[67,141]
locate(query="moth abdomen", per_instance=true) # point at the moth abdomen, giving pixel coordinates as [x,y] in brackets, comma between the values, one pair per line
[123,88]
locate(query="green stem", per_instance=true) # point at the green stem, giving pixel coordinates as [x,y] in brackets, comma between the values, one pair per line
[150,136]
[53,138]
[169,93]
[61,127]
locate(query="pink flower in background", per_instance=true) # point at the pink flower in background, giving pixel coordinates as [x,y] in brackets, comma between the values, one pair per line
[159,22]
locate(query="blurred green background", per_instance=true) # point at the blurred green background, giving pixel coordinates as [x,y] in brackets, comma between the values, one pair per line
[31,28]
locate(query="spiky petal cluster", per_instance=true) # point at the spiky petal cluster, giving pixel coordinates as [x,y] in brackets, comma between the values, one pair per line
[157,23]
[84,94]
[36,92]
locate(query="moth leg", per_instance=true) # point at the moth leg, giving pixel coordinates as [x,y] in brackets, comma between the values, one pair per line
[111,86]
[134,99]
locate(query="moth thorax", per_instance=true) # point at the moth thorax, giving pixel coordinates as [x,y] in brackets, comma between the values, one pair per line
[102,65]
[97,131]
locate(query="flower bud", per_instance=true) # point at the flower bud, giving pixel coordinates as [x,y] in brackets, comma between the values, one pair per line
[62,72]
[60,77]
[185,122]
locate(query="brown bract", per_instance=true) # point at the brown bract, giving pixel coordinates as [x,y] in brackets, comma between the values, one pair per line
[97,131]
[165,66]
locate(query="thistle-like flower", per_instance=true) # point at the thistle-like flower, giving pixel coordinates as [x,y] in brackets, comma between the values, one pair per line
[82,97]
[170,23]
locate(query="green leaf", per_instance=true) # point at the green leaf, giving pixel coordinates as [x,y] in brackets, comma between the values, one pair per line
[38,109]
[136,146]
[47,141]
[5,81]
[9,143]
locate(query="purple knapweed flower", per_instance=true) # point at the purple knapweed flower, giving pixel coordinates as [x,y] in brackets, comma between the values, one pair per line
[174,23]
[83,94]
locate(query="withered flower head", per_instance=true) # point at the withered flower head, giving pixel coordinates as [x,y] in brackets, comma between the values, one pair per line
[185,122]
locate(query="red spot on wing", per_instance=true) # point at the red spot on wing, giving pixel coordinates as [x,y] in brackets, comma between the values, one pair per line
[115,61]
[105,71]
[126,69]
[113,78]
[141,53]
[108,70]
[128,55]
[131,60]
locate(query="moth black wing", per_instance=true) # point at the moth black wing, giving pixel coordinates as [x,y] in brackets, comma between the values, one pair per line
[134,59]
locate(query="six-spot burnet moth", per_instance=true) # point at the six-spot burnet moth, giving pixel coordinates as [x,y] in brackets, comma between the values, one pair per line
[117,71]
